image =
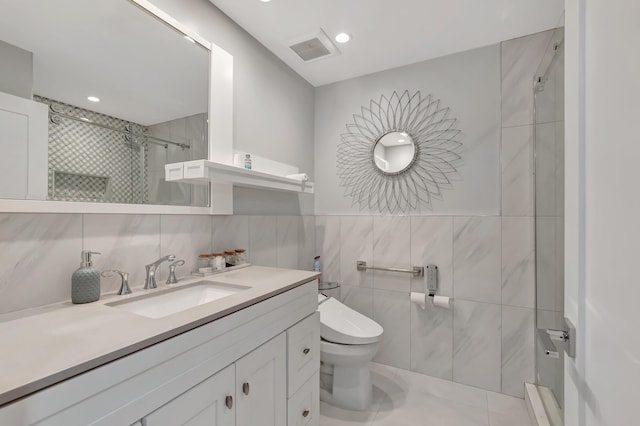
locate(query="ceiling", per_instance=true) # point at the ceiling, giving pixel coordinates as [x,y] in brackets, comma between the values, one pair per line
[387,34]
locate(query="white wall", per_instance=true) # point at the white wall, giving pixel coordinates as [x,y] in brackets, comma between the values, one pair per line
[468,83]
[602,209]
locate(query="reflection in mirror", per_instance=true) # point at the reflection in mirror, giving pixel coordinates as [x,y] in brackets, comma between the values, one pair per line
[394,152]
[124,95]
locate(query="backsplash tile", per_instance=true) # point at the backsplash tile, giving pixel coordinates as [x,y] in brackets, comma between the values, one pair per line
[518,346]
[262,240]
[517,171]
[307,243]
[40,252]
[186,239]
[477,258]
[357,298]
[477,340]
[518,262]
[230,232]
[328,246]
[127,243]
[391,248]
[356,243]
[432,341]
[391,311]
[288,240]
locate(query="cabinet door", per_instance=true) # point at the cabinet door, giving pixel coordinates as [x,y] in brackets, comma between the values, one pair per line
[210,403]
[261,378]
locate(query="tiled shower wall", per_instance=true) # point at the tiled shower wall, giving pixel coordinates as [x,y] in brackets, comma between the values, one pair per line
[486,263]
[84,149]
[41,251]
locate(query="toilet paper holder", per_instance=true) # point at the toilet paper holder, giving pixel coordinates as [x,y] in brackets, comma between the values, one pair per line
[432,280]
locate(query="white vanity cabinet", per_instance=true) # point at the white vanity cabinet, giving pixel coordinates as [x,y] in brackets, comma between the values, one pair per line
[209,403]
[254,367]
[261,386]
[24,136]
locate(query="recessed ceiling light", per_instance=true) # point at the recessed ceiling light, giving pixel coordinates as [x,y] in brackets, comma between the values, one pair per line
[265,1]
[343,38]
[94,99]
[190,39]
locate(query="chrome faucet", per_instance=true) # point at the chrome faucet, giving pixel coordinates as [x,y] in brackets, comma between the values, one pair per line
[150,281]
[172,272]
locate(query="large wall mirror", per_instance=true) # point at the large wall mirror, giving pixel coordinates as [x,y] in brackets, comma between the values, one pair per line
[122,94]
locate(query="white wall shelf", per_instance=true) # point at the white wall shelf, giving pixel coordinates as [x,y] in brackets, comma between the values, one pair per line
[205,171]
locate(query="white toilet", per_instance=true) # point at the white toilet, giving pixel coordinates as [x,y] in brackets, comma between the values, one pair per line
[349,342]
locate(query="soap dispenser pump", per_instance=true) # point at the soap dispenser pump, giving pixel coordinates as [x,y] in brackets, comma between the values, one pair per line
[85,281]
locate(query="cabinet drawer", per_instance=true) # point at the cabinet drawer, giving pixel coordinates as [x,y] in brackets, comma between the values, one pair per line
[303,351]
[304,406]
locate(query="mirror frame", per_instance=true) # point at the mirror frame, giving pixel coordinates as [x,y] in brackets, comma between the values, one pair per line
[220,132]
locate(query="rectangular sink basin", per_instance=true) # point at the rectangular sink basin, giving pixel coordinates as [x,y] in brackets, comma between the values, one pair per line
[171,301]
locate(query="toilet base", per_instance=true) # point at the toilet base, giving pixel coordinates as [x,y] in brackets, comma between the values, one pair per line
[351,388]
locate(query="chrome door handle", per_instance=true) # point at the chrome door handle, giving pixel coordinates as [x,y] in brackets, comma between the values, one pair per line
[306,350]
[305,413]
[245,388]
[229,401]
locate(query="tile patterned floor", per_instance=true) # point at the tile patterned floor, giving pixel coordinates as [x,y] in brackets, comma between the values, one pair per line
[405,398]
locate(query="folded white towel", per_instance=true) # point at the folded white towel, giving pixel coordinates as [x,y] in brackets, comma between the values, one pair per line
[299,176]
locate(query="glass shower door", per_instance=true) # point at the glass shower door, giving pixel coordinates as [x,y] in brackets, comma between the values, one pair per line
[549,224]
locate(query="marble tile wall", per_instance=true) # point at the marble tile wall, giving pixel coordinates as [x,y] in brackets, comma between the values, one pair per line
[485,264]
[42,250]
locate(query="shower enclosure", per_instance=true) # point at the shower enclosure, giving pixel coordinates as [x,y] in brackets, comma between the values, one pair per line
[95,157]
[549,224]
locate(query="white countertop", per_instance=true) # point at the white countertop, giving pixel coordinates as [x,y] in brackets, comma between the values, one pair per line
[44,346]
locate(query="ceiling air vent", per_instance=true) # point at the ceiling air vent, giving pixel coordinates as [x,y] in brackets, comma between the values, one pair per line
[313,47]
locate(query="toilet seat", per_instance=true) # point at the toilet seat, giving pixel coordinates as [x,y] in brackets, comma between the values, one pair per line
[341,324]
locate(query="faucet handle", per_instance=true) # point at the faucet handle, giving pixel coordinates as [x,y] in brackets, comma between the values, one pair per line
[124,277]
[172,271]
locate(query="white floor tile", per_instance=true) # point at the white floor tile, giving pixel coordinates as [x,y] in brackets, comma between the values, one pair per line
[405,398]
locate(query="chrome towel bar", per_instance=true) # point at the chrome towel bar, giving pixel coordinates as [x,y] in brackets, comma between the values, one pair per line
[417,271]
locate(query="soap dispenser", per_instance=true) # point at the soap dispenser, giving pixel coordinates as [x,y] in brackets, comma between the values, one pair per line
[85,281]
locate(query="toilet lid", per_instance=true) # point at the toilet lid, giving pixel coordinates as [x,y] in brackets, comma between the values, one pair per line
[341,324]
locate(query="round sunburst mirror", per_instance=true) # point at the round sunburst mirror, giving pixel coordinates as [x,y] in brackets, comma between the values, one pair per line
[394,152]
[399,153]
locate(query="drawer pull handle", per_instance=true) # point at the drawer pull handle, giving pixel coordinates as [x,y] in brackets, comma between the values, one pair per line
[245,388]
[306,350]
[229,401]
[305,413]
